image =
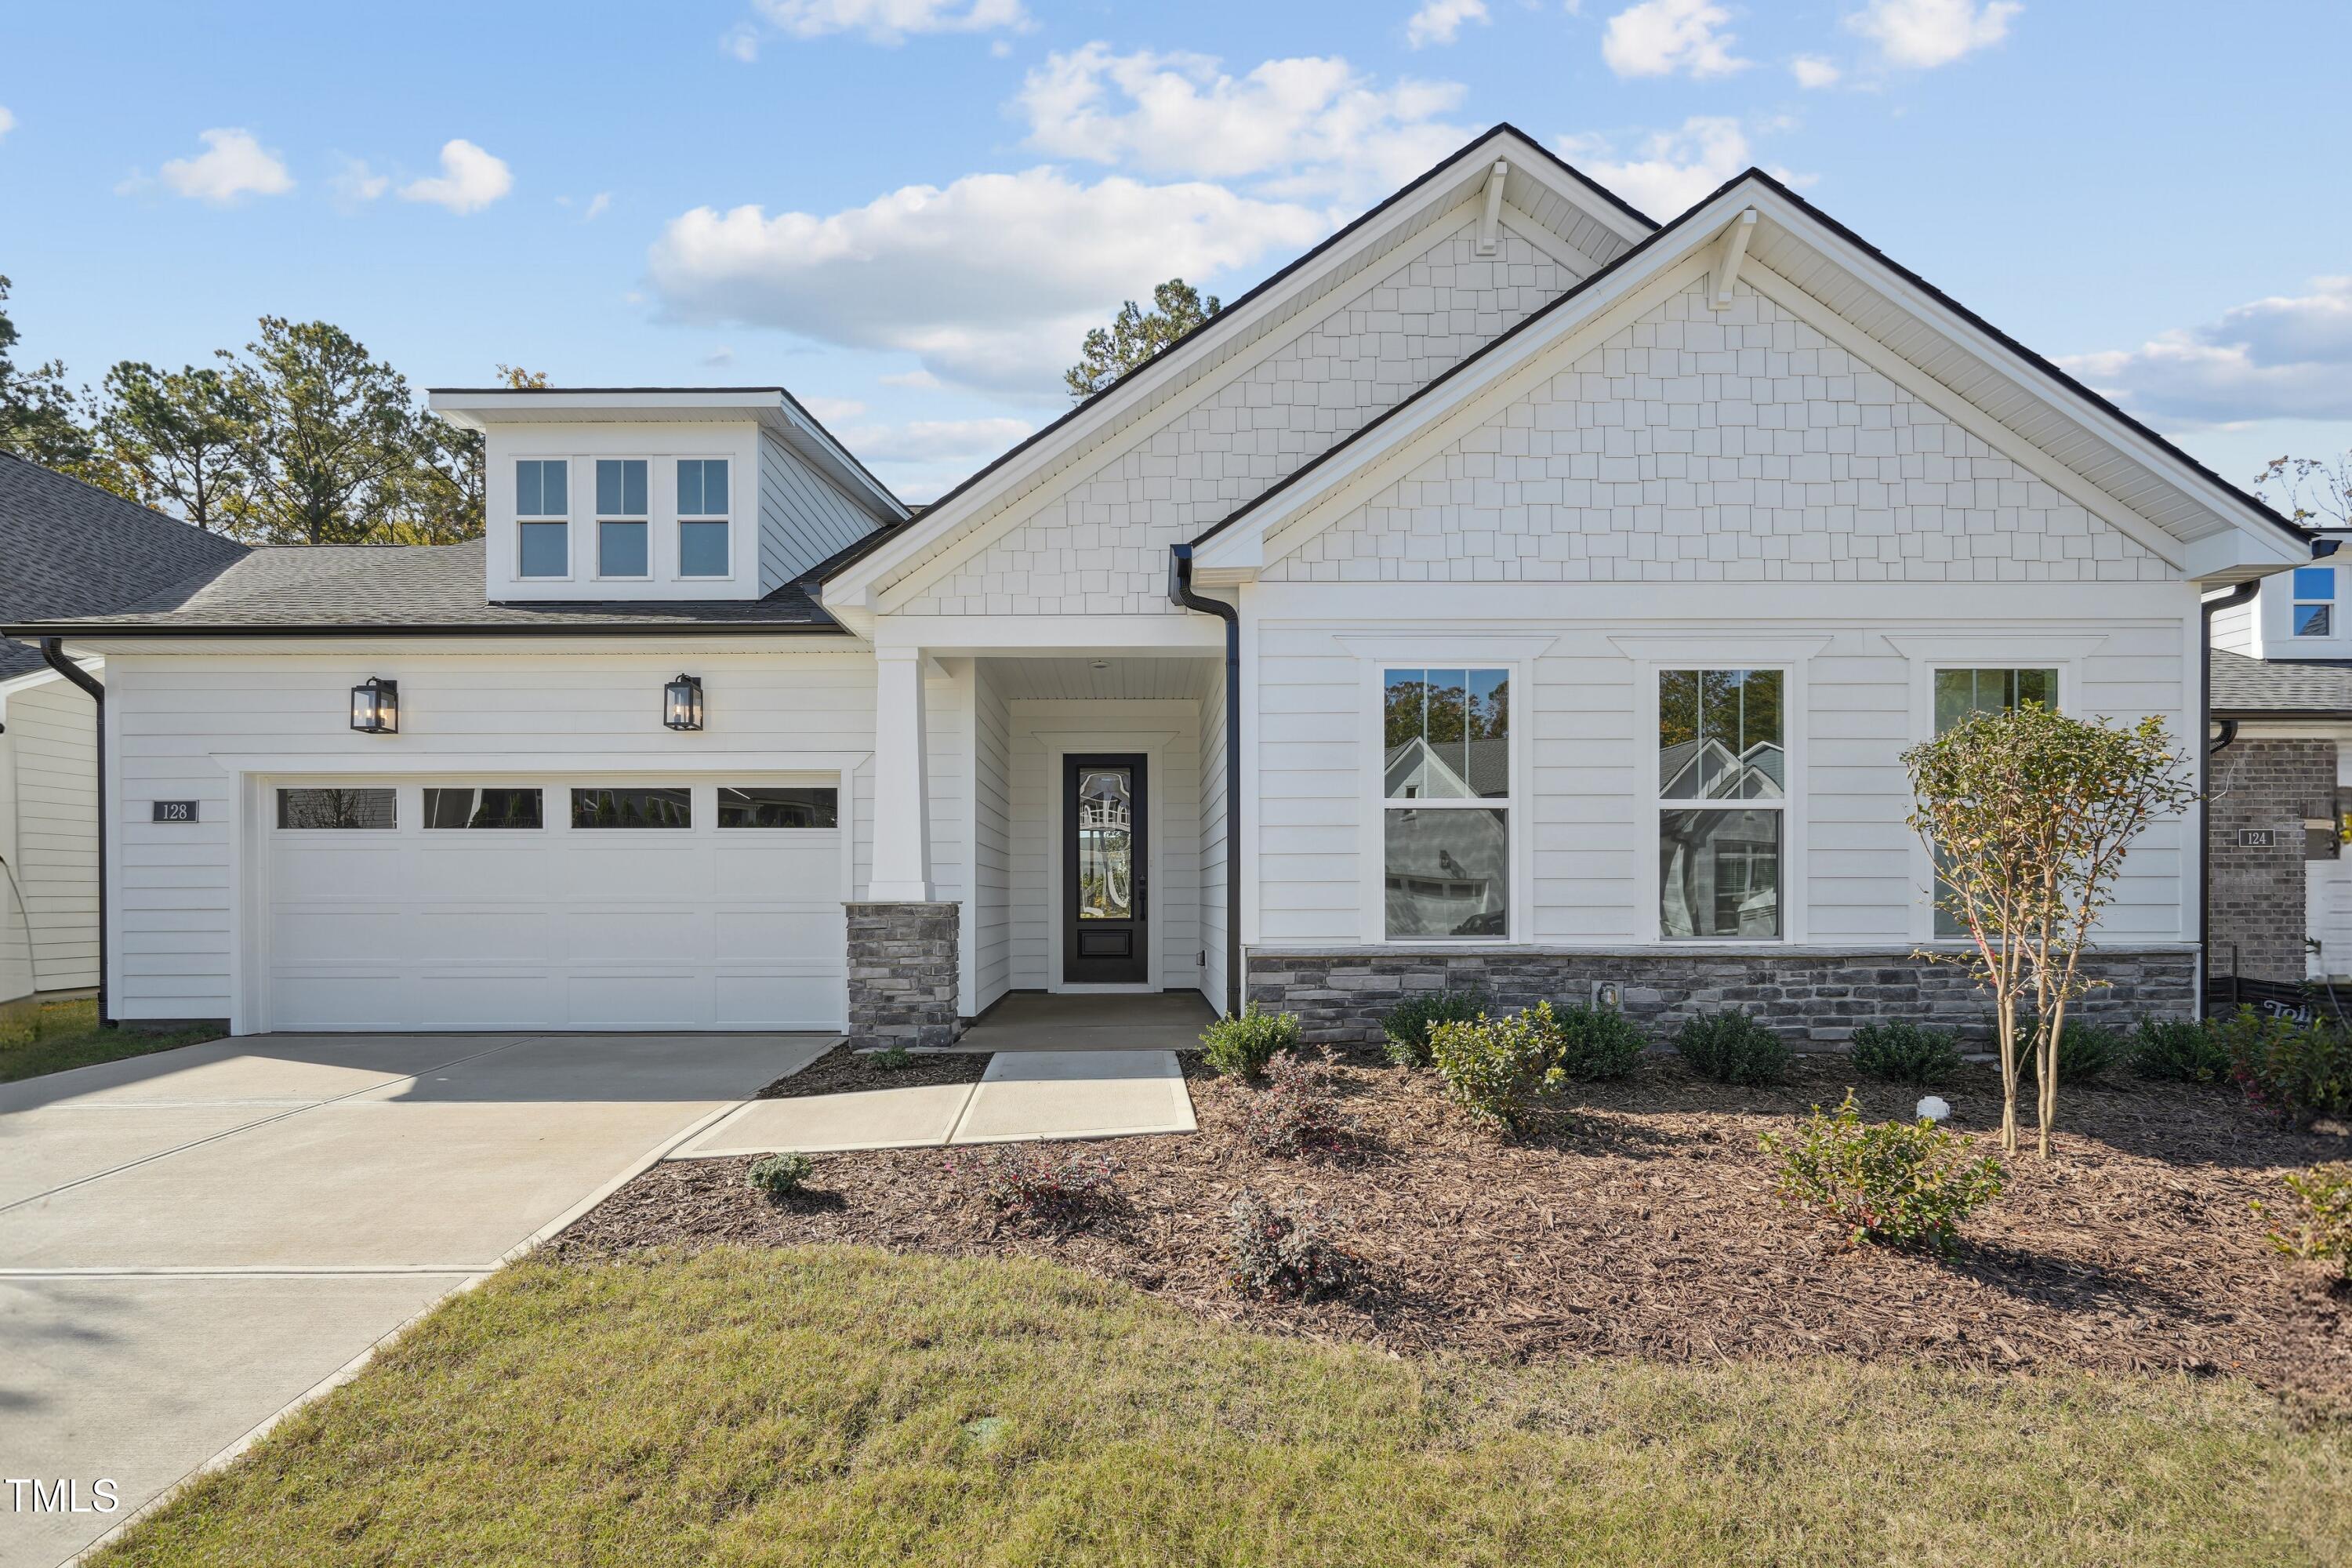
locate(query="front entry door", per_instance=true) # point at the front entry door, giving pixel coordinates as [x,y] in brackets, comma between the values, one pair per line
[1105,904]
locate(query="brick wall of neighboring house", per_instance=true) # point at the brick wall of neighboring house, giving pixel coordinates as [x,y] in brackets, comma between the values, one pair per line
[2257,902]
[1810,996]
[902,975]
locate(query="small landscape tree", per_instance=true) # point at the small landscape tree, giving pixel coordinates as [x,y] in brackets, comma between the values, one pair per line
[2028,812]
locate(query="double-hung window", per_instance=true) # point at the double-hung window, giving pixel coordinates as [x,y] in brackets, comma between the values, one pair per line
[622,522]
[702,517]
[1960,692]
[543,516]
[1445,808]
[1723,786]
[2314,601]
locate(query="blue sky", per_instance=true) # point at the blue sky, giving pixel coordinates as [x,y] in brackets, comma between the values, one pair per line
[908,210]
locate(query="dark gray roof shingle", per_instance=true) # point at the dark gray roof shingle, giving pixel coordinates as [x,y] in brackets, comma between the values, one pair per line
[2244,686]
[69,549]
[419,589]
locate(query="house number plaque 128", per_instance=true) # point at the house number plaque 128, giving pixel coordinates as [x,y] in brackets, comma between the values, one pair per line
[175,811]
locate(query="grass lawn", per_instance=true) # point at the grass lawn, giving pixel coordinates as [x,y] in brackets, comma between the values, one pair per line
[844,1407]
[63,1034]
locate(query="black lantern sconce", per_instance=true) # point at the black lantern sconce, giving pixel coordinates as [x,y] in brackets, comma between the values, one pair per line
[682,704]
[375,706]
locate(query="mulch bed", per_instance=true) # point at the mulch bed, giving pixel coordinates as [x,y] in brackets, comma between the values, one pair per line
[842,1070]
[1645,1225]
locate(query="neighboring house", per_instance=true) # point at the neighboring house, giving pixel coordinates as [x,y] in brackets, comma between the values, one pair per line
[2282,899]
[67,549]
[1704,524]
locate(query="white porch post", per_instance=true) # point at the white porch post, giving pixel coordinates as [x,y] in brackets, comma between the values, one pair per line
[902,816]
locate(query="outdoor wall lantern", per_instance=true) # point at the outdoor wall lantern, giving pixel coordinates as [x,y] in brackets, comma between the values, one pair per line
[682,704]
[375,706]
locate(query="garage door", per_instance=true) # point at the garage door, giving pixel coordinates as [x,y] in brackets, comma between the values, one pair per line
[555,903]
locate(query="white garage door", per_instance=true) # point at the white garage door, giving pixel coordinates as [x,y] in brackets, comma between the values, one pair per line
[555,903]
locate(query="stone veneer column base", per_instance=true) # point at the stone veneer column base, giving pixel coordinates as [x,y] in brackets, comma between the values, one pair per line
[1812,996]
[902,974]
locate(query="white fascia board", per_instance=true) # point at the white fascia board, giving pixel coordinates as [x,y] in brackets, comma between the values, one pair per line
[1041,635]
[2230,506]
[2241,554]
[854,583]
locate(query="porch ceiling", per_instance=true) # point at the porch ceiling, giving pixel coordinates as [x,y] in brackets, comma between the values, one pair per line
[1117,680]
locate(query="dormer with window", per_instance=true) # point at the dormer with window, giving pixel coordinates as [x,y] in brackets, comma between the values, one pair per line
[660,494]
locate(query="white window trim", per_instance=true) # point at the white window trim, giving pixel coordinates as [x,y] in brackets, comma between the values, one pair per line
[1058,746]
[571,534]
[679,521]
[1928,655]
[1422,652]
[1767,654]
[598,518]
[2334,601]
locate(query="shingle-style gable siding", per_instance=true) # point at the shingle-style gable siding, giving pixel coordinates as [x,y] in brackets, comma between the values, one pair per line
[802,519]
[1699,445]
[1099,545]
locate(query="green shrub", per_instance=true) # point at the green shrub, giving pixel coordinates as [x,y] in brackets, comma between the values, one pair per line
[1243,1046]
[1903,1052]
[2322,1225]
[1903,1183]
[1732,1047]
[1409,1022]
[1599,1043]
[1059,1184]
[779,1176]
[1297,1111]
[1503,1069]
[2180,1050]
[2086,1051]
[889,1058]
[1279,1252]
[2296,1071]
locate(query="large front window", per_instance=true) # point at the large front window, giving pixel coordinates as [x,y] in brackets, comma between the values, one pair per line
[622,520]
[1960,692]
[1446,771]
[1722,794]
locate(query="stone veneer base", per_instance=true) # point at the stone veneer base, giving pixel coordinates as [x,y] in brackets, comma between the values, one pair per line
[902,974]
[1811,995]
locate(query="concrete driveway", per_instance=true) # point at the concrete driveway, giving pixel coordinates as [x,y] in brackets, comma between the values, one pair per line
[192,1240]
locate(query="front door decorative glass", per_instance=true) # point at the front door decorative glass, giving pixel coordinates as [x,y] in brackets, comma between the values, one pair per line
[1103,937]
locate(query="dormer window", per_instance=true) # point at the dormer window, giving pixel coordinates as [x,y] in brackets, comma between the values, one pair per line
[2314,601]
[543,516]
[702,545]
[622,522]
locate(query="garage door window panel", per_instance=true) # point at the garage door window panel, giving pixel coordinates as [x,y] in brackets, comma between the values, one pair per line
[482,808]
[628,808]
[361,810]
[780,806]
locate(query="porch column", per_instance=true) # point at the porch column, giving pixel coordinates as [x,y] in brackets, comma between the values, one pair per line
[902,816]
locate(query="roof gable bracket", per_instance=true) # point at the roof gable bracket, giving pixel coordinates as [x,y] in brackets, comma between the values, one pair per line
[1725,274]
[1488,240]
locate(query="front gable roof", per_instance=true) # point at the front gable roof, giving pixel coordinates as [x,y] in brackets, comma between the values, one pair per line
[1948,355]
[1587,222]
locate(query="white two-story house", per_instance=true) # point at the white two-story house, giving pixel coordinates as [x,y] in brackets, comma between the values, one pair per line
[1510,592]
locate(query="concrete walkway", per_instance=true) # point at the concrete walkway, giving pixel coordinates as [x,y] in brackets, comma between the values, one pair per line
[1023,1097]
[1029,1021]
[190,1241]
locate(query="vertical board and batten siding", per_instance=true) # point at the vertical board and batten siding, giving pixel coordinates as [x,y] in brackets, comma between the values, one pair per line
[1862,875]
[56,861]
[991,837]
[169,716]
[1215,868]
[1175,798]
[803,518]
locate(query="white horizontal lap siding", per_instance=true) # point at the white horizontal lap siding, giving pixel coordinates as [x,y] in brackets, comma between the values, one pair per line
[1175,797]
[1096,542]
[1215,866]
[1860,880]
[171,716]
[56,861]
[803,518]
[1589,763]
[991,837]
[2136,671]
[1309,761]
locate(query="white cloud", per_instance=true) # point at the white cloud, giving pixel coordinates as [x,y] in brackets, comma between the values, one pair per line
[1814,70]
[7,121]
[233,165]
[1309,127]
[598,205]
[1438,21]
[354,183]
[930,440]
[1660,38]
[1925,34]
[470,179]
[919,380]
[991,281]
[2285,357]
[1671,170]
[719,356]
[742,41]
[890,21]
[832,410]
